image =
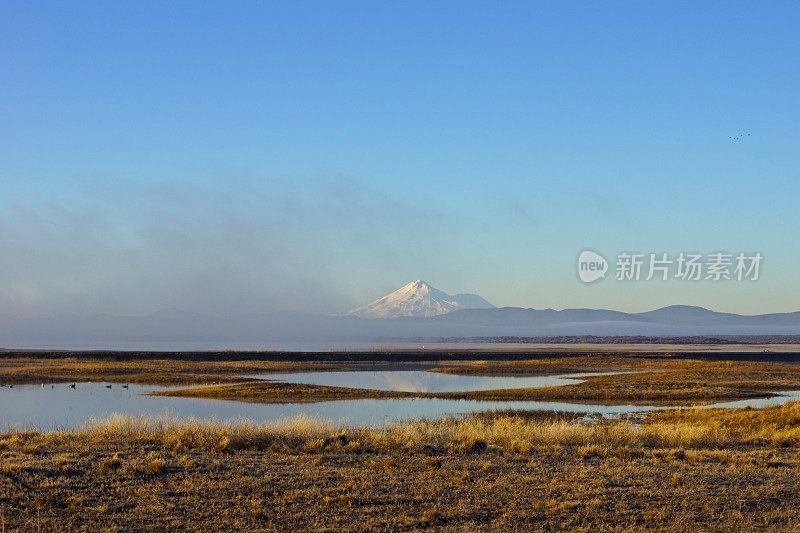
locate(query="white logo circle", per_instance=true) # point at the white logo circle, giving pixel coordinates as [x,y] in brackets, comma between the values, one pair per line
[591,266]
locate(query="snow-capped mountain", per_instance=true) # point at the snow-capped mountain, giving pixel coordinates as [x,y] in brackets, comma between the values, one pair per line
[418,299]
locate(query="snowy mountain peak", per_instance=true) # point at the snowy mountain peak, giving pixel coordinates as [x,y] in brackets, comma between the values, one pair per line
[419,299]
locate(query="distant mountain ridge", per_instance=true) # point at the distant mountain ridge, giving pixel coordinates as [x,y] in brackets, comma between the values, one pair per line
[674,315]
[173,329]
[419,299]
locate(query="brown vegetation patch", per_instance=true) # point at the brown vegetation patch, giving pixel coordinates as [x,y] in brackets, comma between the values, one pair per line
[721,470]
[649,379]
[281,392]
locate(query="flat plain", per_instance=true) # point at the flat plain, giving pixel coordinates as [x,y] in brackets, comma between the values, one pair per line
[670,470]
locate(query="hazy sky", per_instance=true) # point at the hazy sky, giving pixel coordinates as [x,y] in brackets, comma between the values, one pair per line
[233,157]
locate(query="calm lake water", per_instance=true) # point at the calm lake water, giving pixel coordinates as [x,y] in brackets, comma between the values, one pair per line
[422,381]
[59,406]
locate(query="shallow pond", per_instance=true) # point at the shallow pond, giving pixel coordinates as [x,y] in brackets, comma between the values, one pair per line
[61,407]
[422,381]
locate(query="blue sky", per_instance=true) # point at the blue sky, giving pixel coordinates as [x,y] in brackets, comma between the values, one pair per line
[236,157]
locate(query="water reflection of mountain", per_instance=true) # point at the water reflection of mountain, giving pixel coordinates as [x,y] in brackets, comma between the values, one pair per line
[405,381]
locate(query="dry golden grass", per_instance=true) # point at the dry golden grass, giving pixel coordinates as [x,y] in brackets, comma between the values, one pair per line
[716,470]
[775,426]
[679,470]
[658,380]
[280,392]
[37,369]
[705,428]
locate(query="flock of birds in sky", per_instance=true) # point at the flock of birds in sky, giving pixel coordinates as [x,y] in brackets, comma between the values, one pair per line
[739,137]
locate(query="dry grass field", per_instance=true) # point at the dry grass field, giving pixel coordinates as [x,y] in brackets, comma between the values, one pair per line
[280,392]
[675,470]
[718,470]
[30,369]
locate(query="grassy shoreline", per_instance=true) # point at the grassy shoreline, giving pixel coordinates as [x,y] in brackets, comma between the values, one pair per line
[777,426]
[274,392]
[281,392]
[655,380]
[732,469]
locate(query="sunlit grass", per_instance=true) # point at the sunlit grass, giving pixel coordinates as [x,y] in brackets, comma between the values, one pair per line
[503,471]
[687,428]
